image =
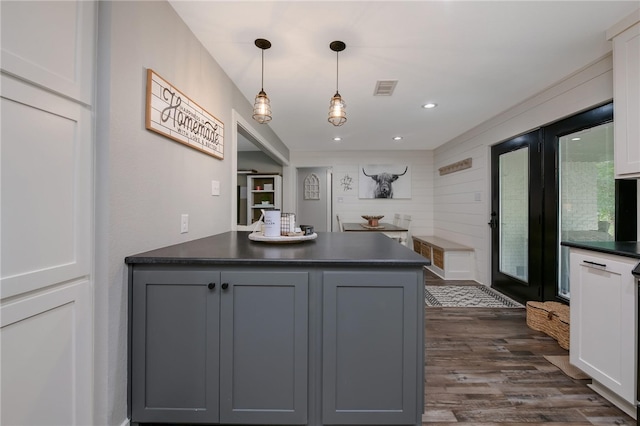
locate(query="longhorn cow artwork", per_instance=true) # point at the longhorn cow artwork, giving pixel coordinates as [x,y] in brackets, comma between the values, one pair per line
[383,181]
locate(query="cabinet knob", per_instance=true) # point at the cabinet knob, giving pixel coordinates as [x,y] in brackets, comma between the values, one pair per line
[225,286]
[211,286]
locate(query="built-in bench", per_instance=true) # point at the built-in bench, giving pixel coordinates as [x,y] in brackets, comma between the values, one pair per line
[449,260]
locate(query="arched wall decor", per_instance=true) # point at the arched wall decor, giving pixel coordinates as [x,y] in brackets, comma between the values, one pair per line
[311,187]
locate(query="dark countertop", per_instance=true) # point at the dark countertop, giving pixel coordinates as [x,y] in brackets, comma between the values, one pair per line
[620,248]
[329,249]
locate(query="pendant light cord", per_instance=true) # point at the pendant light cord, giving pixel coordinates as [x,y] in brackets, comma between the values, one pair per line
[262,79]
[337,71]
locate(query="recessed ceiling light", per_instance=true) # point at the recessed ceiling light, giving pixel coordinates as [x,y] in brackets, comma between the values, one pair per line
[337,139]
[575,139]
[397,138]
[429,105]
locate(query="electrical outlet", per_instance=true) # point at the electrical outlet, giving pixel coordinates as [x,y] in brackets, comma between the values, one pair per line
[184,223]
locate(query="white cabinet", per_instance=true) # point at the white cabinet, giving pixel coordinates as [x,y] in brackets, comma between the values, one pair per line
[50,337]
[263,192]
[626,95]
[603,323]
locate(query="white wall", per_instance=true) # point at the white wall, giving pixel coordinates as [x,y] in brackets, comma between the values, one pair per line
[458,214]
[144,180]
[420,206]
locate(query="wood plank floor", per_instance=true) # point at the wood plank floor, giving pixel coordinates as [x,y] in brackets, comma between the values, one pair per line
[484,366]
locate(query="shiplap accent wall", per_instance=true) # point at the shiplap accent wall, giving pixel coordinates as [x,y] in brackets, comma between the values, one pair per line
[350,208]
[462,200]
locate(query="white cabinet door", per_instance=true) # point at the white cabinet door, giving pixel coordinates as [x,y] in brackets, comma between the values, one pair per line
[46,357]
[47,197]
[603,320]
[626,71]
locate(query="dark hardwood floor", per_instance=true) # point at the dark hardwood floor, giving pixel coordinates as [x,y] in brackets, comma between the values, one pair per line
[484,366]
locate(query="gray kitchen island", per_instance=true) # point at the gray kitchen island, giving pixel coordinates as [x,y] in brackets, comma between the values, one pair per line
[224,330]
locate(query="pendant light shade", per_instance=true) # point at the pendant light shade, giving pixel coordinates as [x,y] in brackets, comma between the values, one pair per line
[337,112]
[262,108]
[262,104]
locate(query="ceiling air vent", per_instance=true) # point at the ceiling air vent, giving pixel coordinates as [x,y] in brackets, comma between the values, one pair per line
[385,87]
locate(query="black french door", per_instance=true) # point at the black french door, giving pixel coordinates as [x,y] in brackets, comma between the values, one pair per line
[550,185]
[516,214]
[583,201]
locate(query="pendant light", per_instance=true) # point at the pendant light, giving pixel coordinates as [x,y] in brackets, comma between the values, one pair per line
[337,113]
[262,105]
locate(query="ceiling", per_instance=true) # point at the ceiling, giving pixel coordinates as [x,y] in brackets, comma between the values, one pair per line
[475,59]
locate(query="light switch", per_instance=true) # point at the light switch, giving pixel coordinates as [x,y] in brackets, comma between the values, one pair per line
[215,187]
[184,223]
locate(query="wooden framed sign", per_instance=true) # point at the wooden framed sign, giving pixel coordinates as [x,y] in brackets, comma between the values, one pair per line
[172,114]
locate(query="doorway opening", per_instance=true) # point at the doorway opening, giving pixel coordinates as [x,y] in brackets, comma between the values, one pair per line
[252,155]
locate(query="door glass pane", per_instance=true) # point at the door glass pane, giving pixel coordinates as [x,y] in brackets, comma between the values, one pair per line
[587,192]
[514,213]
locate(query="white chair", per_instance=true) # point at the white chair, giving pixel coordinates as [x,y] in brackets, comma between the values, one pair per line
[397,221]
[339,223]
[406,222]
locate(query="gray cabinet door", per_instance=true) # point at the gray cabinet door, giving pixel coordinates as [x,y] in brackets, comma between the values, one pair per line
[263,347]
[370,348]
[174,354]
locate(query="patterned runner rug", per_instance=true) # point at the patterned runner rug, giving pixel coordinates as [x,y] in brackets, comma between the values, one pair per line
[467,296]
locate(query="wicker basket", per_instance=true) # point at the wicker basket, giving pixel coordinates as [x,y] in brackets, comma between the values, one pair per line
[551,318]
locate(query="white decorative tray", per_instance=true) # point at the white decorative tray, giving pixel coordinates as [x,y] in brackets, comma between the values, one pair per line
[259,236]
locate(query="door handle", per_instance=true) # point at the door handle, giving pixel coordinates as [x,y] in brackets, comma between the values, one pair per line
[225,286]
[493,223]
